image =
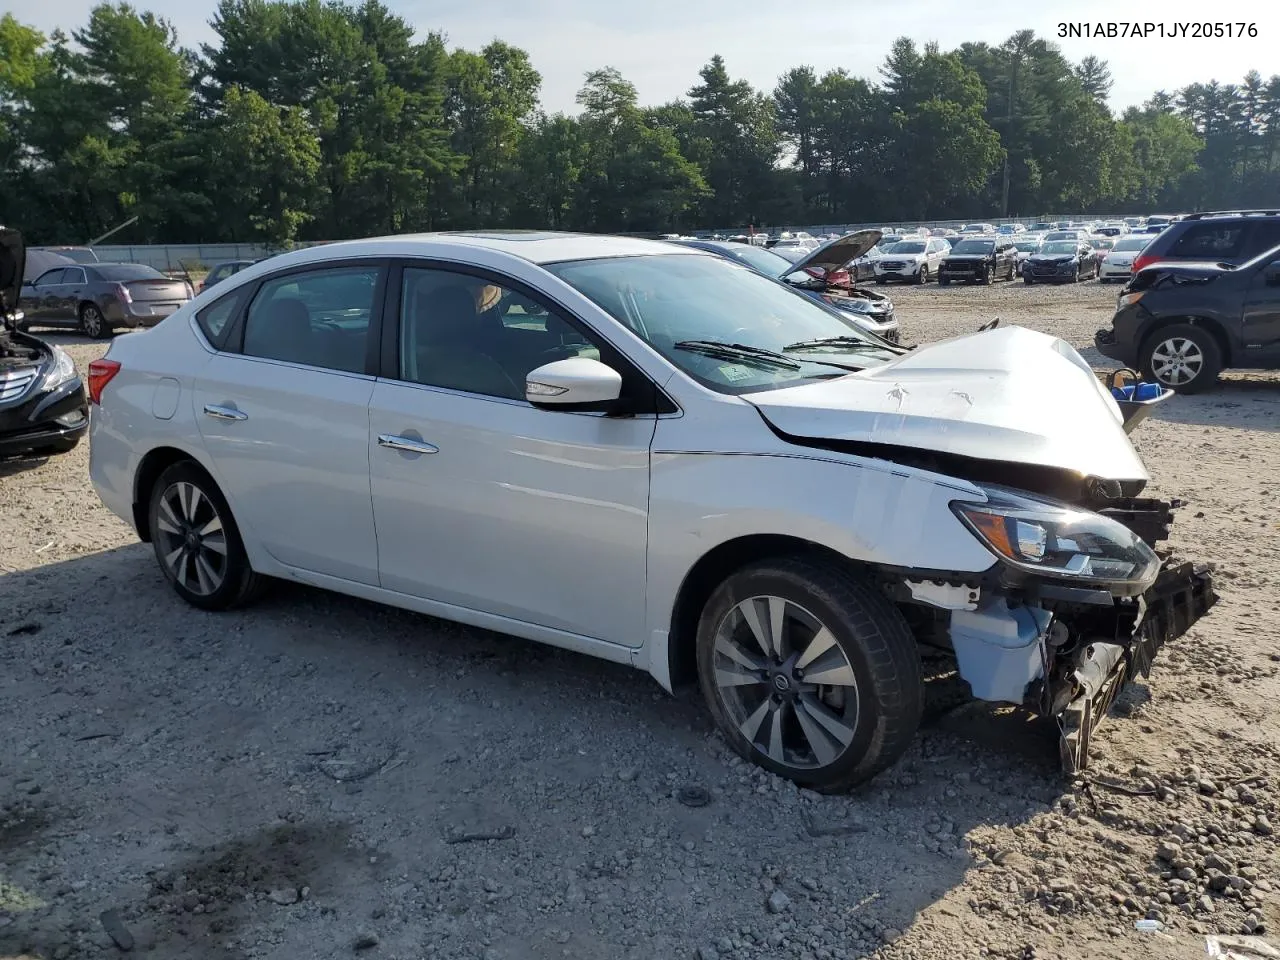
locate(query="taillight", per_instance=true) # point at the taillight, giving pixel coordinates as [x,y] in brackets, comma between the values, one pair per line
[100,374]
[1140,262]
[123,293]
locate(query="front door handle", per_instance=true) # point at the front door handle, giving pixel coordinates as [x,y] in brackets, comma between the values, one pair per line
[224,413]
[406,444]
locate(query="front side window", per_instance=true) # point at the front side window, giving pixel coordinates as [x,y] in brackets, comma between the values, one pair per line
[319,318]
[728,327]
[462,332]
[50,277]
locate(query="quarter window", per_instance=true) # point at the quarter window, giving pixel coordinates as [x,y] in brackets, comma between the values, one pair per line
[1266,236]
[464,333]
[214,318]
[319,318]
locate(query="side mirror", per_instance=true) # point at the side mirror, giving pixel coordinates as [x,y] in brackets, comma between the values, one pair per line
[575,384]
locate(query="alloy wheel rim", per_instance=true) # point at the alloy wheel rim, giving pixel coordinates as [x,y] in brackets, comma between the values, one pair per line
[192,539]
[92,321]
[785,683]
[1177,361]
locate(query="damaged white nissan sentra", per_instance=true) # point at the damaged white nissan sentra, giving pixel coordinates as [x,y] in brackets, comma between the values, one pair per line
[660,458]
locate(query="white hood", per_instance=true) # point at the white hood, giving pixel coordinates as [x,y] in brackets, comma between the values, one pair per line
[1008,394]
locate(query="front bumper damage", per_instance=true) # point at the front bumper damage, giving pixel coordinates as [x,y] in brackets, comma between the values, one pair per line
[1067,651]
[1094,677]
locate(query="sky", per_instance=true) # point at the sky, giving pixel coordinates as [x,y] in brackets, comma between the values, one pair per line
[659,45]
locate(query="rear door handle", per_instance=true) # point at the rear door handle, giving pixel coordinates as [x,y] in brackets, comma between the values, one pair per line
[224,413]
[406,444]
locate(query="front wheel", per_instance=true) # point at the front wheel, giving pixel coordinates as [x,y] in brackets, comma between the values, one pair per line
[809,672]
[988,274]
[923,275]
[1183,357]
[197,542]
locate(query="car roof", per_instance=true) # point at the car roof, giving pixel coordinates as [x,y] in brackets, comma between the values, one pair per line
[535,246]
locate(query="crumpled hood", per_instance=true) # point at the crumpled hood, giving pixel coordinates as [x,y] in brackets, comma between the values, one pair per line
[1008,394]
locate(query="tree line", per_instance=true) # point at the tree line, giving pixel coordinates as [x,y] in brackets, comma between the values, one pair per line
[323,120]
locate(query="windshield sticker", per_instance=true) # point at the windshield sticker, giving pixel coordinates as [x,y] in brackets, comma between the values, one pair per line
[733,372]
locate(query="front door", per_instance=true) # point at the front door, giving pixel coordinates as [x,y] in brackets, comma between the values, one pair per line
[284,414]
[1261,319]
[485,502]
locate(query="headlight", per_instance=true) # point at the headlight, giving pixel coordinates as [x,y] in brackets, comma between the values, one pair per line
[1128,299]
[848,305]
[64,369]
[1056,540]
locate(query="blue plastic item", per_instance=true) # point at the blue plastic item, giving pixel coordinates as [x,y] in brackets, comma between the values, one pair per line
[997,648]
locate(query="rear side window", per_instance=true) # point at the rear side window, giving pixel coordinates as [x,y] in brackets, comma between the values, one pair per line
[1210,241]
[319,318]
[215,318]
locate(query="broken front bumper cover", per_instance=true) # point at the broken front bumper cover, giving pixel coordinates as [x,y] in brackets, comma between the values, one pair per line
[1181,595]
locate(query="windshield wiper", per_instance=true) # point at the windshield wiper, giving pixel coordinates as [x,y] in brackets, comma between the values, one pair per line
[745,351]
[852,343]
[737,351]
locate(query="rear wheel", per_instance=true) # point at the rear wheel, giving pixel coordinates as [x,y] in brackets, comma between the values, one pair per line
[809,672]
[92,322]
[1026,278]
[1183,357]
[197,542]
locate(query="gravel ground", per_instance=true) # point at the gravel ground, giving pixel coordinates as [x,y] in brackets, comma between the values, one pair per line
[319,777]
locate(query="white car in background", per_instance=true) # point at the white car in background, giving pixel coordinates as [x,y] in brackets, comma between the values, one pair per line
[912,261]
[1026,245]
[661,458]
[1118,263]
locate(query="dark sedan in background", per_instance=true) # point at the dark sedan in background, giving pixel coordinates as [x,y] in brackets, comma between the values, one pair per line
[1061,261]
[99,298]
[43,405]
[221,271]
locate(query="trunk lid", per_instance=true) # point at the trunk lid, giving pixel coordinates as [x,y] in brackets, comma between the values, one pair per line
[156,289]
[1009,394]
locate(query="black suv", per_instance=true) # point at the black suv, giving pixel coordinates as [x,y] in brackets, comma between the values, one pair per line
[1228,236]
[1182,323]
[980,259]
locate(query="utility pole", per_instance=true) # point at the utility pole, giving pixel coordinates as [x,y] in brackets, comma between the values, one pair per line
[1008,132]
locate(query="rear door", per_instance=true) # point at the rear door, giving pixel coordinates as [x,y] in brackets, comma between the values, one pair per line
[283,410]
[72,290]
[1261,327]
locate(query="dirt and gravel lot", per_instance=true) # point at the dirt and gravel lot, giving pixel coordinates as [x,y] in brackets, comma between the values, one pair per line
[316,776]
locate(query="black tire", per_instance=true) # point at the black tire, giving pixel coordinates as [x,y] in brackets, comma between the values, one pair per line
[943,281]
[880,281]
[1205,374]
[93,323]
[1026,278]
[988,275]
[1013,271]
[236,582]
[872,643]
[923,275]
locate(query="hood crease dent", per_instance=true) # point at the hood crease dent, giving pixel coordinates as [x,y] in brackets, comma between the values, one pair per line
[1008,396]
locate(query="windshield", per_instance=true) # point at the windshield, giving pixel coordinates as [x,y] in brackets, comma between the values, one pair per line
[677,298]
[908,246]
[974,246]
[1131,243]
[1101,243]
[1058,248]
[1027,246]
[128,271]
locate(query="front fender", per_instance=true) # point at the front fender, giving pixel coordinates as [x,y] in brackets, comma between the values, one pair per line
[872,511]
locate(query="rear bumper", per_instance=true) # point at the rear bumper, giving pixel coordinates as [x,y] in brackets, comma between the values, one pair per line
[53,420]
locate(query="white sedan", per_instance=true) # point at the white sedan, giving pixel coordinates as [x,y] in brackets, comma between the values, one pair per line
[1118,263]
[651,455]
